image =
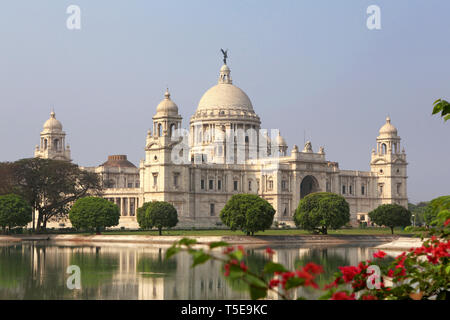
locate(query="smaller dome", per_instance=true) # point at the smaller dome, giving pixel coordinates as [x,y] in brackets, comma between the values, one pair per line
[225,68]
[118,161]
[281,141]
[52,124]
[167,106]
[388,128]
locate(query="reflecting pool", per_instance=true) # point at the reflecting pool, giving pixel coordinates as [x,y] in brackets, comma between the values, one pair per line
[37,270]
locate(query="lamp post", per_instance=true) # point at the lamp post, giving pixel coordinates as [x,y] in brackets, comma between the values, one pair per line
[414,220]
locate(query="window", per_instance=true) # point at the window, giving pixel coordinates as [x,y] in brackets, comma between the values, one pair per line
[285,211]
[270,185]
[362,190]
[399,185]
[284,185]
[211,184]
[249,185]
[219,184]
[137,184]
[155,179]
[130,185]
[381,189]
[235,185]
[211,209]
[343,189]
[202,184]
[350,189]
[175,179]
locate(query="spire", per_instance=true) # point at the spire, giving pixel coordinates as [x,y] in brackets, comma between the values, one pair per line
[167,94]
[52,114]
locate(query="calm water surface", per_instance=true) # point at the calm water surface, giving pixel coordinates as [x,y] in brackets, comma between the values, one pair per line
[34,270]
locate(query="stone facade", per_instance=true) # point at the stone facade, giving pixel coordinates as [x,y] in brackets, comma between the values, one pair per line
[225,152]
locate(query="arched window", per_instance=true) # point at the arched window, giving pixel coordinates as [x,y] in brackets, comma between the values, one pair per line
[159,129]
[172,129]
[45,144]
[383,148]
[56,144]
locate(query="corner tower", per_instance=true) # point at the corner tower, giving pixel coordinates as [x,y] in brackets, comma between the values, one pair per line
[53,141]
[389,164]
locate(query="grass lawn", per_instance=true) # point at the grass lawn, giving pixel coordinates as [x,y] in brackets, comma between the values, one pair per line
[274,232]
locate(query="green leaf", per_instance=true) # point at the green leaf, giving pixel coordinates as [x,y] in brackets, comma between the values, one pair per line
[238,255]
[200,257]
[294,283]
[218,244]
[254,281]
[447,269]
[272,267]
[172,251]
[327,295]
[187,242]
[257,292]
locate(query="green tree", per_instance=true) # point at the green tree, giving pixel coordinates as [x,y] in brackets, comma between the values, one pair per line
[51,186]
[14,211]
[439,210]
[92,213]
[158,214]
[321,211]
[247,212]
[443,107]
[391,215]
[418,212]
[141,216]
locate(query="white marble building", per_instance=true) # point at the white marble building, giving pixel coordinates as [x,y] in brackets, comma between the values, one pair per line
[226,152]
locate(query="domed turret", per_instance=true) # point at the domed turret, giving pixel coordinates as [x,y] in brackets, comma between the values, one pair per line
[53,141]
[52,124]
[388,129]
[167,106]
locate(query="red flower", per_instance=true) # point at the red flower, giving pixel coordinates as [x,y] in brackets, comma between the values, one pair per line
[369,297]
[447,222]
[241,248]
[227,270]
[379,254]
[269,251]
[341,295]
[335,283]
[228,250]
[243,266]
[309,278]
[274,283]
[348,273]
[313,268]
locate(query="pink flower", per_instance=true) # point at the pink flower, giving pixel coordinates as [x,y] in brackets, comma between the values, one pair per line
[269,251]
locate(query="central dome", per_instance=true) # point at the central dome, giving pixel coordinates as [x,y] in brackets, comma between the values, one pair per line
[225,96]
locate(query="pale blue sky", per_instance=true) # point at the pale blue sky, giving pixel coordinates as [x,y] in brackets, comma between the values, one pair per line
[306,65]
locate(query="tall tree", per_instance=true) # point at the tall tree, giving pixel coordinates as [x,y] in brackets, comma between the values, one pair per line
[51,186]
[6,178]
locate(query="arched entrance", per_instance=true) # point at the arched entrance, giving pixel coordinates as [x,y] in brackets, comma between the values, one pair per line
[309,185]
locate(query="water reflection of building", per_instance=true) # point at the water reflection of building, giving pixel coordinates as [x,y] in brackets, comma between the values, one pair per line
[141,272]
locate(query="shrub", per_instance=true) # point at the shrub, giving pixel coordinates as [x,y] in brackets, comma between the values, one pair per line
[158,214]
[319,211]
[391,215]
[247,212]
[92,213]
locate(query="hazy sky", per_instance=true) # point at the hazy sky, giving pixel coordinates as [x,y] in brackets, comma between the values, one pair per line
[306,65]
